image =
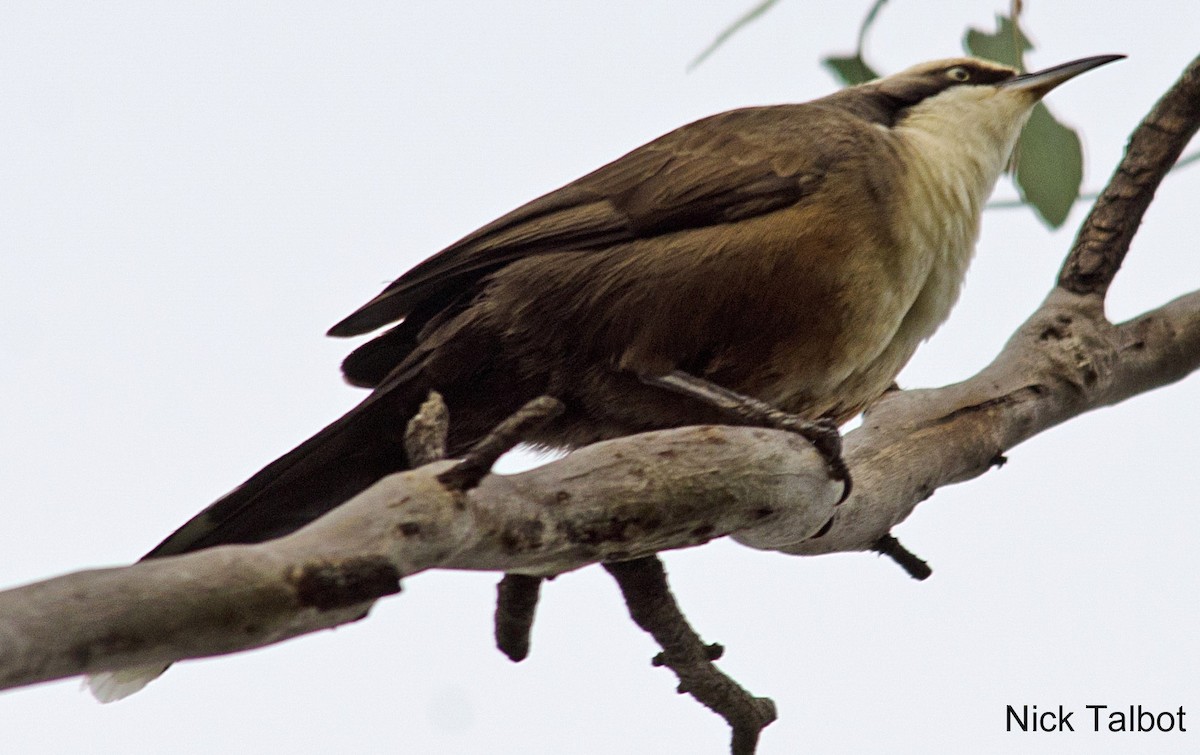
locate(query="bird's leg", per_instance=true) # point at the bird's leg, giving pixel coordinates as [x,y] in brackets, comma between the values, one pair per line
[823,434]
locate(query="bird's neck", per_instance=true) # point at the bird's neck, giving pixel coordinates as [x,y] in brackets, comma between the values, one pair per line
[952,158]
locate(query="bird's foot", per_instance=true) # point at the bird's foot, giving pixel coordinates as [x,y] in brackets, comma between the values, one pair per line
[822,434]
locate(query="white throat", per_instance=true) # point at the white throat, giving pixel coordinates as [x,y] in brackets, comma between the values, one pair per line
[955,146]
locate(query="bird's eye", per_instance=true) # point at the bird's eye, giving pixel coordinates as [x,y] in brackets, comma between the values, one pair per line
[958,73]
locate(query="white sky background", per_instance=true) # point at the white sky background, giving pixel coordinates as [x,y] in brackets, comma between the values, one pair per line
[189,197]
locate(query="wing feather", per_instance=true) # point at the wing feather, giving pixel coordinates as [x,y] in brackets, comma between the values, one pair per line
[717,170]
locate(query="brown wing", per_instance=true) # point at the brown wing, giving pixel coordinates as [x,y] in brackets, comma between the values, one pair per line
[717,170]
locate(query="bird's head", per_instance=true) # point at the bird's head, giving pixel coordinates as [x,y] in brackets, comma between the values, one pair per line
[959,117]
[960,94]
[976,78]
[949,128]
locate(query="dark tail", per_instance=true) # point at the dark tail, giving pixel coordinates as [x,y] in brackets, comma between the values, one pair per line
[321,473]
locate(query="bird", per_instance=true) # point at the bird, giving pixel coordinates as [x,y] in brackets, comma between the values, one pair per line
[793,254]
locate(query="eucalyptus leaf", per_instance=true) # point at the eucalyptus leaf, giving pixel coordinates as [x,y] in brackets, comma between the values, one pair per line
[850,70]
[732,29]
[1049,166]
[1049,158]
[868,20]
[1006,45]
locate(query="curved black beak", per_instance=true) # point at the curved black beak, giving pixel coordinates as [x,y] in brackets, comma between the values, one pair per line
[1041,82]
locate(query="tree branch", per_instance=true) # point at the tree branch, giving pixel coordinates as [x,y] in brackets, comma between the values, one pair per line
[426,433]
[616,500]
[643,582]
[1155,145]
[910,562]
[1157,348]
[516,605]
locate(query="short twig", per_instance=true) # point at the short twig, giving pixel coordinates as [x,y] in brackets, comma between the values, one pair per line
[425,435]
[516,603]
[908,561]
[643,582]
[479,460]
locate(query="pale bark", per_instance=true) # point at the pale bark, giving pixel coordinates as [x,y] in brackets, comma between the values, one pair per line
[616,500]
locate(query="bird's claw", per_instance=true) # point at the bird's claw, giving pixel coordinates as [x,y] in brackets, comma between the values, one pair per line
[825,438]
[746,410]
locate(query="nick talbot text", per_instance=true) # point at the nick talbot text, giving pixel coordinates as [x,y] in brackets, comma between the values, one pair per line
[1133,718]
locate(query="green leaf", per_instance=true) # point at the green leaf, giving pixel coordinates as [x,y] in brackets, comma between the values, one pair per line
[868,20]
[1007,45]
[1049,158]
[850,70]
[1049,166]
[732,29]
